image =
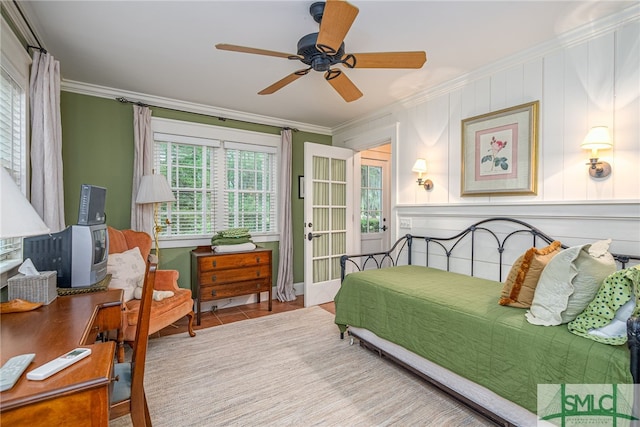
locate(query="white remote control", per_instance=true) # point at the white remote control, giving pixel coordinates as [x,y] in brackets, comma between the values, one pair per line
[11,371]
[58,364]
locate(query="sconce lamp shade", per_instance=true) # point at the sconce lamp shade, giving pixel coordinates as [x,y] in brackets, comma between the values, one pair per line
[18,218]
[154,189]
[420,166]
[598,138]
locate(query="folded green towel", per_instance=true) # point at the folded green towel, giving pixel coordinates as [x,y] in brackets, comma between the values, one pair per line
[217,241]
[234,232]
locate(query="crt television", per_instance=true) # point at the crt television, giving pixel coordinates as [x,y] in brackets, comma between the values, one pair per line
[78,253]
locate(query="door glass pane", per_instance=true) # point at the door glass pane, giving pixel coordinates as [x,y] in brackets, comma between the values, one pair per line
[371,200]
[338,194]
[320,193]
[320,270]
[338,170]
[320,219]
[320,168]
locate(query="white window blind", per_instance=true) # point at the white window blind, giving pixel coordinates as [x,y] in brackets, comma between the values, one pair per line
[250,197]
[12,145]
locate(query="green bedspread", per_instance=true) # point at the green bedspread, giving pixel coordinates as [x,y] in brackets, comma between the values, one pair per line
[455,321]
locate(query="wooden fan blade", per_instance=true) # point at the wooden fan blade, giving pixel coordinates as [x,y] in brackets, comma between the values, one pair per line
[336,21]
[283,82]
[244,49]
[387,60]
[343,85]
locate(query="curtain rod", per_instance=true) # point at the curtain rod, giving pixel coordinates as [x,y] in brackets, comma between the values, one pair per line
[35,37]
[124,100]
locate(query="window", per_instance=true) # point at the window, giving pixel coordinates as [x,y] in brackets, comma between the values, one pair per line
[12,144]
[14,84]
[370,199]
[221,178]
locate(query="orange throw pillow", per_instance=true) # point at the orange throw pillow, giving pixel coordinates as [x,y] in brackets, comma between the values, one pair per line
[520,286]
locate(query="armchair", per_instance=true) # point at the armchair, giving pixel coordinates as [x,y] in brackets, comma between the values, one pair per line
[164,312]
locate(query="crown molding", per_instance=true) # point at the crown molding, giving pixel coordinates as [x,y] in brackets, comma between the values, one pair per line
[190,107]
[21,26]
[562,41]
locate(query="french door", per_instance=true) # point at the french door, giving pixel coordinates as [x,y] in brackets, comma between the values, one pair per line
[328,216]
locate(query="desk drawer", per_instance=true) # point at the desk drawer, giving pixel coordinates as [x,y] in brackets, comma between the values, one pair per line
[235,260]
[235,275]
[107,318]
[208,293]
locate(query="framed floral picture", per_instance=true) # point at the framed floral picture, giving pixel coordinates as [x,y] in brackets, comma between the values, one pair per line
[500,151]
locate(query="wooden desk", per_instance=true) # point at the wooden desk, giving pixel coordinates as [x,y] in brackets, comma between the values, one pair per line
[79,394]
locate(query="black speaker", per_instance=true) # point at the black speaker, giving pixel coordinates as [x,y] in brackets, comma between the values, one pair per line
[92,204]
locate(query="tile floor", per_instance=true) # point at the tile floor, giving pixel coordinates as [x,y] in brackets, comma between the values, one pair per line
[237,313]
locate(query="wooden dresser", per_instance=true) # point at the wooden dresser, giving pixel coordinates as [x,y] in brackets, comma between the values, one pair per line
[224,275]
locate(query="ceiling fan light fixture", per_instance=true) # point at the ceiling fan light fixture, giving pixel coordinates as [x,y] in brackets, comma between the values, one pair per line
[320,63]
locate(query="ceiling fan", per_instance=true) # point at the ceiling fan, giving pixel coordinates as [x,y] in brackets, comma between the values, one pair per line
[325,49]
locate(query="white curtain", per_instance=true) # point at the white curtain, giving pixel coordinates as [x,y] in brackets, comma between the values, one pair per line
[141,215]
[47,191]
[284,287]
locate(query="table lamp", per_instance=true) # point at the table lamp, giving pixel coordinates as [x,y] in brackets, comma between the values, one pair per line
[154,189]
[17,217]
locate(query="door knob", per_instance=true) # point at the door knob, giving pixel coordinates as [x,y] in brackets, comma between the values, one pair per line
[312,236]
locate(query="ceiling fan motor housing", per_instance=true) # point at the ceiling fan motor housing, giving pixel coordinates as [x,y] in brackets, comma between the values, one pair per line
[316,59]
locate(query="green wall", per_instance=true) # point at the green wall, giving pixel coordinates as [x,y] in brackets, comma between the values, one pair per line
[97,148]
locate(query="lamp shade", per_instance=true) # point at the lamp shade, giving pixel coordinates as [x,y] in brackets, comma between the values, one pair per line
[420,166]
[154,189]
[598,138]
[17,217]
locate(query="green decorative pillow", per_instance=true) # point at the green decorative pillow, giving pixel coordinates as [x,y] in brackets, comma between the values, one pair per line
[520,286]
[605,318]
[569,283]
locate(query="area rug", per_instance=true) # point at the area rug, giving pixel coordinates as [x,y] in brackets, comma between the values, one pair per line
[287,369]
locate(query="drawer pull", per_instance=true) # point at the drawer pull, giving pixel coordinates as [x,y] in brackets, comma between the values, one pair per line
[215,263]
[258,259]
[214,293]
[258,273]
[213,278]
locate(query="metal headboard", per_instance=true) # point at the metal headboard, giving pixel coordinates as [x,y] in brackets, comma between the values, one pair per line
[447,245]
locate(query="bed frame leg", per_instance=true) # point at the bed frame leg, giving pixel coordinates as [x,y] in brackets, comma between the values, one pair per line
[633,341]
[341,335]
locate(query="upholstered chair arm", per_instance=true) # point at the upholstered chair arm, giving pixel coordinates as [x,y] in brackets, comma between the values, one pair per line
[166,280]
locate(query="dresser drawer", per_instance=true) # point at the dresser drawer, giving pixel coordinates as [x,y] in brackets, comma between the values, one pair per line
[234,275]
[238,260]
[212,292]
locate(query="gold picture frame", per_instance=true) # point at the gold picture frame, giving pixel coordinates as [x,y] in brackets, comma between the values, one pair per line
[500,152]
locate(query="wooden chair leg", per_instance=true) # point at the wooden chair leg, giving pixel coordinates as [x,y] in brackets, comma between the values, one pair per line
[146,412]
[190,316]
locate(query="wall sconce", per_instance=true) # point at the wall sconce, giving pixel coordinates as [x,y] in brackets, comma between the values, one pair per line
[598,138]
[420,166]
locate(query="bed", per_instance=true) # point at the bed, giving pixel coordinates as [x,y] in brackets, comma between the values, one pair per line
[448,327]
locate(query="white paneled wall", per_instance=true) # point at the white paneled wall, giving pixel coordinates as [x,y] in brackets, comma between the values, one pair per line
[590,77]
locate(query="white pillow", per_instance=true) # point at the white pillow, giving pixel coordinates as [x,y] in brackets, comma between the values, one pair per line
[569,283]
[157,295]
[127,271]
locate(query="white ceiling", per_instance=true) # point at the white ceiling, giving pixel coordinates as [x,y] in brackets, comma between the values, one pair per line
[166,48]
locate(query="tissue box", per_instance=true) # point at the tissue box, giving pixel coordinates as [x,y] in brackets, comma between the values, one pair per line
[40,288]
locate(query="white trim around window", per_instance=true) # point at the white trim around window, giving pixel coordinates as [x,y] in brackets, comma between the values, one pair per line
[213,136]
